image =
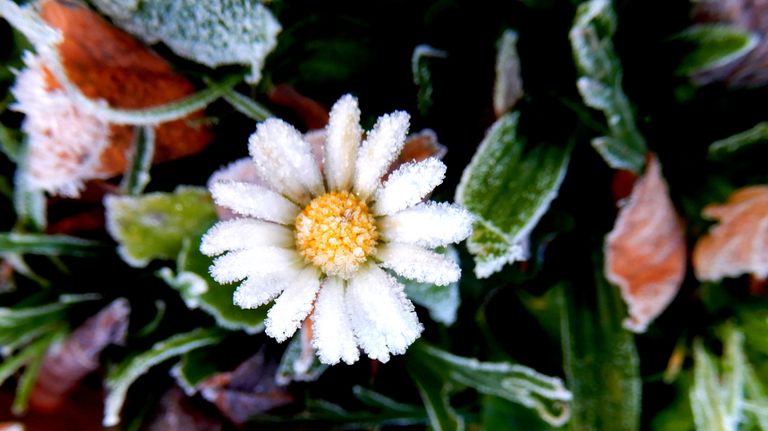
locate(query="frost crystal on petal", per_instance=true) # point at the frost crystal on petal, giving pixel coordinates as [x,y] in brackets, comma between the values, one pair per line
[343,138]
[430,224]
[408,185]
[255,201]
[416,263]
[332,331]
[293,305]
[379,150]
[240,234]
[213,33]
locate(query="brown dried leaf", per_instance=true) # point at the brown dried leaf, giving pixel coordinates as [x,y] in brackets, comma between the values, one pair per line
[176,413]
[313,114]
[107,63]
[738,244]
[645,252]
[69,362]
[249,390]
[419,146]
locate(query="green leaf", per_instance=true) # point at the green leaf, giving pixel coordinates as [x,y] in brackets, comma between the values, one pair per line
[9,366]
[374,399]
[28,202]
[29,376]
[501,415]
[213,33]
[422,75]
[246,106]
[194,368]
[122,377]
[717,399]
[154,225]
[508,86]
[137,177]
[434,393]
[599,83]
[442,302]
[546,395]
[200,290]
[295,366]
[601,361]
[747,139]
[9,145]
[49,245]
[715,45]
[508,191]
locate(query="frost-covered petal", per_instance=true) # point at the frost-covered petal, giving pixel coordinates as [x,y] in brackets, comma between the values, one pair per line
[416,263]
[238,234]
[257,290]
[408,185]
[379,150]
[430,224]
[332,330]
[239,264]
[343,138]
[293,305]
[383,318]
[284,159]
[255,201]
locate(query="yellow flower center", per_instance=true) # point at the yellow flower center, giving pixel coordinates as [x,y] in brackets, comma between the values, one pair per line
[336,233]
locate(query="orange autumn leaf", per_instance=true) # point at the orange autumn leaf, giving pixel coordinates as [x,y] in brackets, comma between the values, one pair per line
[645,251]
[107,63]
[738,244]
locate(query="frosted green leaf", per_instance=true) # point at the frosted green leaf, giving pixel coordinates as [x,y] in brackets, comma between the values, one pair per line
[194,368]
[27,21]
[435,395]
[245,105]
[28,202]
[442,302]
[374,399]
[295,367]
[545,395]
[49,245]
[508,190]
[213,33]
[599,83]
[717,397]
[199,290]
[600,359]
[34,356]
[137,176]
[122,377]
[715,45]
[154,225]
[740,141]
[422,74]
[508,86]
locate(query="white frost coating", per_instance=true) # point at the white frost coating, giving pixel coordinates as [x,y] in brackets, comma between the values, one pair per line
[257,290]
[378,151]
[239,234]
[486,266]
[284,159]
[213,32]
[239,264]
[332,331]
[293,305]
[26,20]
[343,137]
[383,318]
[416,263]
[430,224]
[255,201]
[408,185]
[65,143]
[508,86]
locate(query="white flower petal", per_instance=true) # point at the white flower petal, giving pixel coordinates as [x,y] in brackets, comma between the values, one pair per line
[257,290]
[343,138]
[381,314]
[430,224]
[379,150]
[416,263]
[239,234]
[284,159]
[408,185]
[293,305]
[332,330]
[255,201]
[239,264]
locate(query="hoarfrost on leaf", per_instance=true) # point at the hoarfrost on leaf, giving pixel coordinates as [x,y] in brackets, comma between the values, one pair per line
[213,33]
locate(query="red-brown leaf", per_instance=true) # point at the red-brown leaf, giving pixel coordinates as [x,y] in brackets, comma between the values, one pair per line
[645,252]
[738,244]
[67,363]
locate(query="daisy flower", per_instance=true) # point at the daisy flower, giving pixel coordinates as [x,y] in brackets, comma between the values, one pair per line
[324,239]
